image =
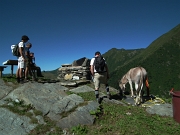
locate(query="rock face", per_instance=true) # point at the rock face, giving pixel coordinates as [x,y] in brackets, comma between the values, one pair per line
[78,70]
[5,90]
[41,96]
[81,116]
[49,98]
[81,62]
[13,124]
[163,110]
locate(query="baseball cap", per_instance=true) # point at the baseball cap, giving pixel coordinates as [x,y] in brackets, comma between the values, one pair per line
[97,53]
[24,37]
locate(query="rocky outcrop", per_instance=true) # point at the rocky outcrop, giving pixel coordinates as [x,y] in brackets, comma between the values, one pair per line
[5,89]
[41,96]
[13,124]
[81,115]
[80,62]
[78,70]
[163,110]
[53,101]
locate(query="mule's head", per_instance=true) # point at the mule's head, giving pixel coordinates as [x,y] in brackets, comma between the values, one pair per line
[122,86]
[138,100]
[122,83]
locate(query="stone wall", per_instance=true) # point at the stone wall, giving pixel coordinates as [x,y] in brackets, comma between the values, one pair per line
[78,70]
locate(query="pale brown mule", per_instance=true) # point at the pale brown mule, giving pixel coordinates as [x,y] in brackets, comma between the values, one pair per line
[138,76]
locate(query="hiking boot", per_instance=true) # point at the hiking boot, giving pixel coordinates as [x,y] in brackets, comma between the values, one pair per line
[21,81]
[26,80]
[40,76]
[34,79]
[18,80]
[109,96]
[98,100]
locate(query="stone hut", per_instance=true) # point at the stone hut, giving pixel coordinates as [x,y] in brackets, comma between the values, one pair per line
[78,70]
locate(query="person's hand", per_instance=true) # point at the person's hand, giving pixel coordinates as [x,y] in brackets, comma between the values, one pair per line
[24,59]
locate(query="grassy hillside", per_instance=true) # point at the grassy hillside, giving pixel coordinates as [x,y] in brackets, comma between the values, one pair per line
[117,57]
[50,74]
[161,59]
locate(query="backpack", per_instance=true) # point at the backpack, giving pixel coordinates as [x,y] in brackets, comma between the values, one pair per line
[15,50]
[99,64]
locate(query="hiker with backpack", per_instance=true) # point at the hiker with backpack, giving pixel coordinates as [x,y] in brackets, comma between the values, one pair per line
[28,63]
[21,58]
[100,73]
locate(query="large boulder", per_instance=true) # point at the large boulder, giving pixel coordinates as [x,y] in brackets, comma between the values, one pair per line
[86,63]
[78,62]
[51,99]
[4,89]
[14,124]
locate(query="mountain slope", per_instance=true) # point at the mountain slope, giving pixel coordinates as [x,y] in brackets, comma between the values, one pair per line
[117,57]
[50,74]
[161,59]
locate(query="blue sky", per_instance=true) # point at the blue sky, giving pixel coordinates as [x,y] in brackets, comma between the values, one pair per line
[62,31]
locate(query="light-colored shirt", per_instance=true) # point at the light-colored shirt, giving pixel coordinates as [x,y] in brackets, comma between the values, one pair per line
[21,44]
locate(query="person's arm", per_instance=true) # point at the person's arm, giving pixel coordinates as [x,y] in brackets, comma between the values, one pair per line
[92,70]
[92,66]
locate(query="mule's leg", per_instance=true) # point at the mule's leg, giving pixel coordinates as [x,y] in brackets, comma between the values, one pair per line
[136,87]
[138,98]
[132,93]
[141,94]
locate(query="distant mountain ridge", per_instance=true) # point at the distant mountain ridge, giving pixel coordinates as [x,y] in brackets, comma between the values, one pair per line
[118,57]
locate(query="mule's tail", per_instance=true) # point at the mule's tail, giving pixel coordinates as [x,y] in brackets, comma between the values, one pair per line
[147,86]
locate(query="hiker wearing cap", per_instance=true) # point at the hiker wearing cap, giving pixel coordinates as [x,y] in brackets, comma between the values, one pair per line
[21,59]
[100,73]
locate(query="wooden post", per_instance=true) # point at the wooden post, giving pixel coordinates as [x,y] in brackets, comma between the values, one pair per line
[12,70]
[1,69]
[0,73]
